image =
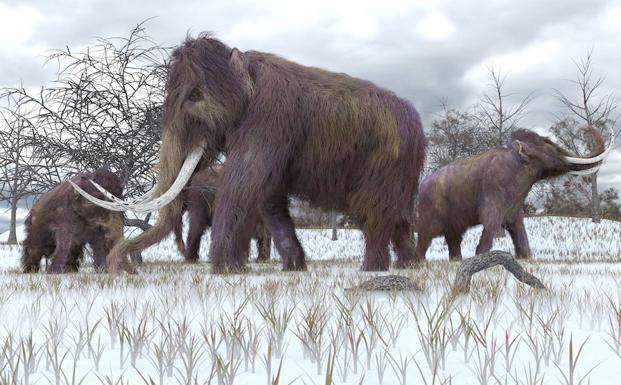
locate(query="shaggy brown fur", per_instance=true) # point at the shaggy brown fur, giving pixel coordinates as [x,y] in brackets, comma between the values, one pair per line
[490,189]
[61,223]
[199,199]
[339,142]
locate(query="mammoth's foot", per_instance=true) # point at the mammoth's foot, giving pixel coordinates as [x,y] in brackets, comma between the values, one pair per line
[375,264]
[29,269]
[61,269]
[228,268]
[294,265]
[409,263]
[376,258]
[55,269]
[118,265]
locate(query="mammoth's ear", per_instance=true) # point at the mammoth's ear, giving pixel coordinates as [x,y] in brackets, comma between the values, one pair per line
[239,65]
[521,149]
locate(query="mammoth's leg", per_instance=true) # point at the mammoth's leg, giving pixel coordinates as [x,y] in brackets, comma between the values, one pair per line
[264,242]
[251,174]
[277,218]
[31,259]
[490,219]
[76,255]
[60,256]
[105,237]
[199,221]
[422,244]
[453,241]
[376,255]
[178,231]
[518,235]
[98,244]
[402,242]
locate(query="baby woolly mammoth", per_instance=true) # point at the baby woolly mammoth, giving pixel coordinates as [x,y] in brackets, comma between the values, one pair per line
[62,222]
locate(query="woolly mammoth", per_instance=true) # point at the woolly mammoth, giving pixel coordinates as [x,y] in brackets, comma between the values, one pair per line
[338,142]
[61,223]
[490,189]
[199,199]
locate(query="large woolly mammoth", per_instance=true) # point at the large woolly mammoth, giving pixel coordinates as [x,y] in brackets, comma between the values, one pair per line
[339,142]
[490,189]
[199,198]
[62,222]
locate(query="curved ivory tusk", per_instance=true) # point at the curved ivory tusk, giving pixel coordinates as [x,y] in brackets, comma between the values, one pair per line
[190,163]
[114,206]
[146,197]
[141,199]
[588,171]
[594,159]
[107,193]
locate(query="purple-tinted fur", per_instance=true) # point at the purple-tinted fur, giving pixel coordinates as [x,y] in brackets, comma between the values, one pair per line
[339,142]
[199,199]
[61,223]
[490,189]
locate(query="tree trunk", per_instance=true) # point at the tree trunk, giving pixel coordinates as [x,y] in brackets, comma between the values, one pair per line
[333,224]
[596,214]
[12,231]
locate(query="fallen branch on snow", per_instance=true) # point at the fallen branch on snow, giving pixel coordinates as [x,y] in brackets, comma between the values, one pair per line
[473,265]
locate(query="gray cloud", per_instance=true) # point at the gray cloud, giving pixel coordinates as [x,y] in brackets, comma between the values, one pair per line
[426,51]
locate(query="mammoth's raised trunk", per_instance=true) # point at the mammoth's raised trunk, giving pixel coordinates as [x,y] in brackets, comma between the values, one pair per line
[590,165]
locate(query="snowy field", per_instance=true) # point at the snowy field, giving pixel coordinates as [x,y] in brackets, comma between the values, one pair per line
[177,324]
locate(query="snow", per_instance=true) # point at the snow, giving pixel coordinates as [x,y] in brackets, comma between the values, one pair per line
[20,232]
[500,333]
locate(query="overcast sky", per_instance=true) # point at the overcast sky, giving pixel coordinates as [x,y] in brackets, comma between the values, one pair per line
[424,50]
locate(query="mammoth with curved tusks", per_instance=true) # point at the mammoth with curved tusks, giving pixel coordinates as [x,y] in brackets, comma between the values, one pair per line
[490,189]
[339,142]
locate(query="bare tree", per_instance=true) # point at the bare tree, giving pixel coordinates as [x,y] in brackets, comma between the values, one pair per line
[591,108]
[453,136]
[105,108]
[22,162]
[333,224]
[497,116]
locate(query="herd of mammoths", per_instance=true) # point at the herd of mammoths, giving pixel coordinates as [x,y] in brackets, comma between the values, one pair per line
[341,143]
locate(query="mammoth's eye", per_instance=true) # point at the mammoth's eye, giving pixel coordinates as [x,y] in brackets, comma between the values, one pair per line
[195,95]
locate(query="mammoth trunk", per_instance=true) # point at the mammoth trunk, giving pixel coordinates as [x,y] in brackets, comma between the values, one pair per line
[171,179]
[173,152]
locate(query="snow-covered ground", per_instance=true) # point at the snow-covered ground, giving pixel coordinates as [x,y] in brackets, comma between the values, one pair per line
[177,324]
